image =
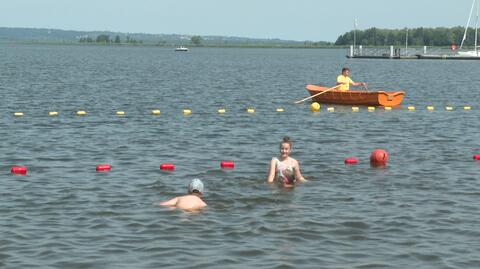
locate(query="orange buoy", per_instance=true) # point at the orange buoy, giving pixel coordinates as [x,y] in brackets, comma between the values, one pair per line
[378,157]
[476,157]
[103,167]
[227,164]
[351,160]
[167,166]
[18,170]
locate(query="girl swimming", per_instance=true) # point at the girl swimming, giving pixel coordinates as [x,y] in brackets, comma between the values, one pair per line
[285,169]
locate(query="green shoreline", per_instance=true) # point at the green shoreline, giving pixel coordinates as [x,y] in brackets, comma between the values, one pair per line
[163,45]
[279,46]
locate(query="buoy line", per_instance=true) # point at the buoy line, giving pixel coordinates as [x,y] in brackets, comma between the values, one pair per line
[314,107]
[378,158]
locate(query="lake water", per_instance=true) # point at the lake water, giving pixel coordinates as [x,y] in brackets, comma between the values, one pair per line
[420,211]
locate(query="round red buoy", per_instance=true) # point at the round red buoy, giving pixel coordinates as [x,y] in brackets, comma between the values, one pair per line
[227,164]
[378,157]
[103,167]
[351,160]
[167,166]
[476,157]
[19,170]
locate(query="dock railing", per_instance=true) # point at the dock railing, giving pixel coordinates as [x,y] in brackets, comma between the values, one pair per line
[397,51]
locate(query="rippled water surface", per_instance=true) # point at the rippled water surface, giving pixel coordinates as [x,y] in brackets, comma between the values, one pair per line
[420,211]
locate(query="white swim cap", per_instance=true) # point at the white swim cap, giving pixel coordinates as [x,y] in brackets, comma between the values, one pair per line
[195,185]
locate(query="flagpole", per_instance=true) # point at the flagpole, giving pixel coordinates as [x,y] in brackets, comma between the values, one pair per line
[406,41]
[354,34]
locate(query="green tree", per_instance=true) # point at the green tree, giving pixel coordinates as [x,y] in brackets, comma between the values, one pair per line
[196,40]
[117,39]
[439,36]
[103,39]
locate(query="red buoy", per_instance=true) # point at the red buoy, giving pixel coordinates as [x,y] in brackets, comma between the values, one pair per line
[18,170]
[351,160]
[103,167]
[227,164]
[378,157]
[476,157]
[167,166]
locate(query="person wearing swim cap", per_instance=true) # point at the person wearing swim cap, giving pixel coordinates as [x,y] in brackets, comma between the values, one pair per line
[190,202]
[285,169]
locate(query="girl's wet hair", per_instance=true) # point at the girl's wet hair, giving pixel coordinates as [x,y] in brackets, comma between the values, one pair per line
[287,140]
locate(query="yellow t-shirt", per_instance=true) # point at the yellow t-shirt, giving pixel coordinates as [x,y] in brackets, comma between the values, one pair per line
[346,80]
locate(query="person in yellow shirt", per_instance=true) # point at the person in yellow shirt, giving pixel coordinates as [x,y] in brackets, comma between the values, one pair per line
[346,81]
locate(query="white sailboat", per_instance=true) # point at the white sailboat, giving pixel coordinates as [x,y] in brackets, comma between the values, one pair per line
[475,52]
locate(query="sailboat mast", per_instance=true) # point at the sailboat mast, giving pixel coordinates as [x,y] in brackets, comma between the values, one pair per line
[476,30]
[468,23]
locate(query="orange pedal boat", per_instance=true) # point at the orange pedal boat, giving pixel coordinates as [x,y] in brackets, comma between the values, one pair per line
[362,98]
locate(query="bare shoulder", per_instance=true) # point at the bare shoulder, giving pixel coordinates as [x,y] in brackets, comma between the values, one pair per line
[190,202]
[202,203]
[273,162]
[294,161]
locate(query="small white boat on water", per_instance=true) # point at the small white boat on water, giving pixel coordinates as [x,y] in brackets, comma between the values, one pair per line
[470,53]
[181,48]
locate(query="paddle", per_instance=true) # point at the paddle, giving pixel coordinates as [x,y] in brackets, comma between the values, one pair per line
[304,99]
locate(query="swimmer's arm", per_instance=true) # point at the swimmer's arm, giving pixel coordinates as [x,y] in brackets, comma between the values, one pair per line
[171,202]
[271,171]
[298,174]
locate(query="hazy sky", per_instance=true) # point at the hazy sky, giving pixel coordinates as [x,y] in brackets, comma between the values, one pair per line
[286,19]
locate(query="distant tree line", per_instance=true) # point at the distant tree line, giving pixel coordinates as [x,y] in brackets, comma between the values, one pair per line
[439,36]
[107,40]
[317,44]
